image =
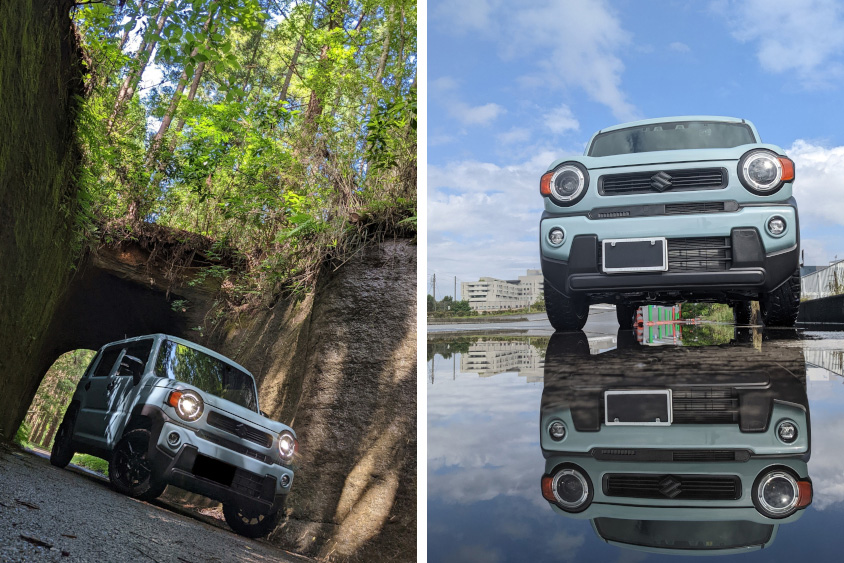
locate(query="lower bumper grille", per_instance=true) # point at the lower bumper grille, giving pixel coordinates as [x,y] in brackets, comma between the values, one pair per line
[678,487]
[710,405]
[703,254]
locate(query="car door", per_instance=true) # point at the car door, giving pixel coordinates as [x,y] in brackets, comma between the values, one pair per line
[93,411]
[131,366]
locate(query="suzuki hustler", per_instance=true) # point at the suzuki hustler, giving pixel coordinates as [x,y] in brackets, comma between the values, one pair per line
[670,210]
[164,411]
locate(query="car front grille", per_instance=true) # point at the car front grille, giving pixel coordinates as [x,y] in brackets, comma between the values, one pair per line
[235,447]
[708,405]
[701,254]
[654,182]
[239,429]
[676,487]
[695,207]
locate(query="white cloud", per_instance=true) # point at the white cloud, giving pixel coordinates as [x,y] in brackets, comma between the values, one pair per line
[514,135]
[819,182]
[572,42]
[791,36]
[475,115]
[560,119]
[483,219]
[679,47]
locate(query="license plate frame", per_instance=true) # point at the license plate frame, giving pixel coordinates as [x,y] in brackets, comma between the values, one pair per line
[635,249]
[613,414]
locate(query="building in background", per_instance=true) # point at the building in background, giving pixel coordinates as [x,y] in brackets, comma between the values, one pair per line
[493,294]
[822,282]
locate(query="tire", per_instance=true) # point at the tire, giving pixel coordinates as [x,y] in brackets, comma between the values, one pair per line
[742,313]
[130,469]
[626,315]
[565,313]
[249,524]
[780,307]
[62,451]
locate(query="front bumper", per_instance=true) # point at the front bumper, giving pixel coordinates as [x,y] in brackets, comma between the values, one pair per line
[758,262]
[203,466]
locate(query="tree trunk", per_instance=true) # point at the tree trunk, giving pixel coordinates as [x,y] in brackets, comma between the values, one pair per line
[385,49]
[296,52]
[177,95]
[54,425]
[315,103]
[35,437]
[142,56]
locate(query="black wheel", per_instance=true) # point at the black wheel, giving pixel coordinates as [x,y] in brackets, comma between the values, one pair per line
[742,313]
[780,307]
[626,315]
[565,313]
[250,524]
[130,469]
[62,451]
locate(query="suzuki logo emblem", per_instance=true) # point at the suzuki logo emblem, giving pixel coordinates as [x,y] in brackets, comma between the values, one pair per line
[241,430]
[661,181]
[669,487]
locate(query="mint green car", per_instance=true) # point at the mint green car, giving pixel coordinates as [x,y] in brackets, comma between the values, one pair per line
[669,210]
[163,410]
[676,449]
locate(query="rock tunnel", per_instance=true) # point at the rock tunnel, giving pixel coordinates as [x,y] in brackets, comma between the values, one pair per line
[119,291]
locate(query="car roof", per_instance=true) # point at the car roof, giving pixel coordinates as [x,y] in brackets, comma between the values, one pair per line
[674,119]
[194,345]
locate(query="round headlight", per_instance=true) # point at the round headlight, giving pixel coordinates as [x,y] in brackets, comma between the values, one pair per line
[761,172]
[287,445]
[776,494]
[557,430]
[787,431]
[556,236]
[188,404]
[572,490]
[568,184]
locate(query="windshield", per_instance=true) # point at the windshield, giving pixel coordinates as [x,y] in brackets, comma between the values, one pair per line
[675,135]
[207,373]
[671,534]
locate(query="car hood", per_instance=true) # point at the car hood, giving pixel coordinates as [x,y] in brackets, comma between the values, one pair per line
[230,408]
[665,157]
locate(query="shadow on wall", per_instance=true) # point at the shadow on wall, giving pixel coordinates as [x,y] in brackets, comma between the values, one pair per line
[340,366]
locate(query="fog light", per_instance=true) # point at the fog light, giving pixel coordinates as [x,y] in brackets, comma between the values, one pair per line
[285,480]
[173,439]
[556,236]
[557,430]
[776,226]
[787,431]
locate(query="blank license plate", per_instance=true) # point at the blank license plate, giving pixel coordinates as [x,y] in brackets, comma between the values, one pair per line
[638,408]
[635,255]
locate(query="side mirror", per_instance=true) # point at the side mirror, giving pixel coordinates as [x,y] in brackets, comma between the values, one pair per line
[265,415]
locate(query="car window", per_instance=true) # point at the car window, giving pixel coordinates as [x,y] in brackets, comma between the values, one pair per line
[207,373]
[109,356]
[136,356]
[672,136]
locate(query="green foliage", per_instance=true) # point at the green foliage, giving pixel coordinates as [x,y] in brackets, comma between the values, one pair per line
[90,462]
[296,146]
[22,435]
[715,312]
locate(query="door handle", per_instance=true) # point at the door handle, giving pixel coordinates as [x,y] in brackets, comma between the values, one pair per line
[111,385]
[87,385]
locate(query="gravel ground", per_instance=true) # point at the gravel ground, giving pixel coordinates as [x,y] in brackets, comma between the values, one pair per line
[50,514]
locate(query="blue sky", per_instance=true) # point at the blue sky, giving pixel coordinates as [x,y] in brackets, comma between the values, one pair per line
[515,85]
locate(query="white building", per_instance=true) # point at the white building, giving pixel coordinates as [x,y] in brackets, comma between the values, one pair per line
[492,294]
[488,358]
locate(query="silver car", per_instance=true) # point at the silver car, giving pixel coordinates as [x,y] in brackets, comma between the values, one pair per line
[163,410]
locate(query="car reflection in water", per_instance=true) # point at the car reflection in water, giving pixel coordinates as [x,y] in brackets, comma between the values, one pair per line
[677,449]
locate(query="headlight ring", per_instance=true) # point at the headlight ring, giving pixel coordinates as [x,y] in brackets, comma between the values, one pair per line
[188,404]
[764,172]
[287,445]
[566,184]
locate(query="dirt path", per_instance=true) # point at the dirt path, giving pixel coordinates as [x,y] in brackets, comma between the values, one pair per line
[49,514]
